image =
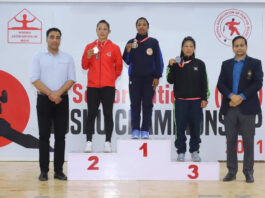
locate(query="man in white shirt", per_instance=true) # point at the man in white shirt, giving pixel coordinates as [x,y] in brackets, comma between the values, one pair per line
[53,74]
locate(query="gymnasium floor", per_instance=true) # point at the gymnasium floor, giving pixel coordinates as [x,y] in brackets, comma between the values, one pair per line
[20,180]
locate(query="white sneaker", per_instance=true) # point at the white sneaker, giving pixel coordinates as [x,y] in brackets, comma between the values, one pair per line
[107,148]
[181,157]
[88,148]
[195,157]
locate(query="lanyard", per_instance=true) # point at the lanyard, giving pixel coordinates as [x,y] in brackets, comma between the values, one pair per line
[135,40]
[100,46]
[183,63]
[101,43]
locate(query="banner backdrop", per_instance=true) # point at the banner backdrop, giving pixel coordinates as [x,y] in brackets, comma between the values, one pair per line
[22,34]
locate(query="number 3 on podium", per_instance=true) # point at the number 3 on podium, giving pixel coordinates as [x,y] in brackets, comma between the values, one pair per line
[195,172]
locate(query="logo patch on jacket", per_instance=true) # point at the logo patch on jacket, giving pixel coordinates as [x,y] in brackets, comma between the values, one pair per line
[195,68]
[109,54]
[149,51]
[249,76]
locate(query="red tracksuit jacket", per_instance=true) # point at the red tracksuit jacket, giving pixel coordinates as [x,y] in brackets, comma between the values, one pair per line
[105,67]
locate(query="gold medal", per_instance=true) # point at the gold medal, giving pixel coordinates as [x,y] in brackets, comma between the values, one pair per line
[149,51]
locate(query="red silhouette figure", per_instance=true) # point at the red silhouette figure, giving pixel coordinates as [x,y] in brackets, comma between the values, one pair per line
[232,28]
[24,24]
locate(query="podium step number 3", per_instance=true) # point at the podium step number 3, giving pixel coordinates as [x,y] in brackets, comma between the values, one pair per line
[138,160]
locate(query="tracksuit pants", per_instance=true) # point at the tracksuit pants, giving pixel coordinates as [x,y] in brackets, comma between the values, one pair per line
[141,96]
[188,113]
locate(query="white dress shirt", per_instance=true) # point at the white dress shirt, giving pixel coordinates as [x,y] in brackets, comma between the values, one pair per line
[52,70]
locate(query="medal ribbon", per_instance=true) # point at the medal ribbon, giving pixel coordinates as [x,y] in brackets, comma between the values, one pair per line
[101,43]
[141,40]
[101,46]
[183,63]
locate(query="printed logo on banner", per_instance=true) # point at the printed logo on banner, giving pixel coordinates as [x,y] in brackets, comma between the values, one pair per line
[24,28]
[231,23]
[14,113]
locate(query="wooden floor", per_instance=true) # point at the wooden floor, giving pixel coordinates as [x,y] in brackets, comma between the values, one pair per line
[20,179]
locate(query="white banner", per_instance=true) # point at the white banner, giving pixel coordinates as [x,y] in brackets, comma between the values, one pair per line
[23,32]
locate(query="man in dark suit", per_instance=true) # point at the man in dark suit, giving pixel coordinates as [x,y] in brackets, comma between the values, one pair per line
[239,81]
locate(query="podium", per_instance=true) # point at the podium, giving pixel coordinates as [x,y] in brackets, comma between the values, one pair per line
[138,160]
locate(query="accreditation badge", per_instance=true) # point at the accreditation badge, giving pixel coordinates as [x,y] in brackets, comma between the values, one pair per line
[149,51]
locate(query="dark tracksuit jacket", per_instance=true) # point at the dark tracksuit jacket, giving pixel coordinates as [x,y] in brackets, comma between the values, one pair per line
[145,63]
[189,81]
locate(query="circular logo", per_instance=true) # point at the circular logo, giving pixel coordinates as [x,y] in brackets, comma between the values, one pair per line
[15,106]
[149,51]
[231,23]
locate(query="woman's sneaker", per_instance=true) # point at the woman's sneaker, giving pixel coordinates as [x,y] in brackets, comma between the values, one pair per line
[88,148]
[144,135]
[135,134]
[195,156]
[107,148]
[181,157]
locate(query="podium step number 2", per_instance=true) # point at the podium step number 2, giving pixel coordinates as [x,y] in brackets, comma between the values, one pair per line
[138,160]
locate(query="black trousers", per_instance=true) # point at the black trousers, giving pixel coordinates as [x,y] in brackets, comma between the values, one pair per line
[234,122]
[105,95]
[57,114]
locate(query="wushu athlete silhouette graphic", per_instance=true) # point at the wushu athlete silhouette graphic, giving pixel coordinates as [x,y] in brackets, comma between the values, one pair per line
[13,120]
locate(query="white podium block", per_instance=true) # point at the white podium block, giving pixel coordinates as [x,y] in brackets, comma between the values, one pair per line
[193,171]
[93,166]
[142,159]
[138,160]
[145,150]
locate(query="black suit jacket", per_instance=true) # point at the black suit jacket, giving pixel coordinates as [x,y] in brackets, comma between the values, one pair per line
[249,84]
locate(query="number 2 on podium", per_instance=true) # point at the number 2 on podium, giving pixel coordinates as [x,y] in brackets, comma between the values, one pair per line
[94,160]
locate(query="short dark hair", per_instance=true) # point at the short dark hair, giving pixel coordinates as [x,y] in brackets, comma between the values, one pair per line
[53,29]
[142,18]
[103,21]
[188,38]
[239,37]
